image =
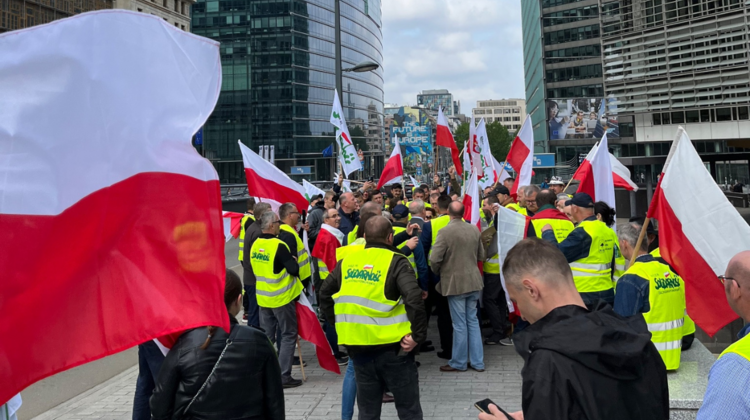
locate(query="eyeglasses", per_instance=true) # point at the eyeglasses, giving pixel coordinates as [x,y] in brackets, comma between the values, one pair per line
[722,278]
[277,222]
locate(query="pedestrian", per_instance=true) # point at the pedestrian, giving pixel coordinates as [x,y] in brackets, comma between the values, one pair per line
[578,364]
[590,250]
[493,296]
[377,283]
[278,289]
[726,395]
[454,258]
[435,300]
[212,375]
[548,214]
[651,288]
[288,234]
[252,311]
[348,213]
[545,184]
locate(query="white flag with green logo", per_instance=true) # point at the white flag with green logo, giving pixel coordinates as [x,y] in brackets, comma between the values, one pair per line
[311,190]
[487,179]
[347,151]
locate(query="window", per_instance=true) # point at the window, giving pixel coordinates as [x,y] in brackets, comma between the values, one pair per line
[692,117]
[182,27]
[176,25]
[570,15]
[164,3]
[140,10]
[705,115]
[574,34]
[657,119]
[678,118]
[626,129]
[182,8]
[742,113]
[176,6]
[724,114]
[665,118]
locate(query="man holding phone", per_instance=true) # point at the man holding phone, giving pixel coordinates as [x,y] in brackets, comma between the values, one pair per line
[578,364]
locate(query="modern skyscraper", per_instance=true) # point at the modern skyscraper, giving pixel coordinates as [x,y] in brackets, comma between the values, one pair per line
[433,99]
[278,59]
[19,14]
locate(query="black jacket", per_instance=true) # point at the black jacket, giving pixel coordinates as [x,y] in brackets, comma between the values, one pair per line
[245,386]
[252,233]
[593,365]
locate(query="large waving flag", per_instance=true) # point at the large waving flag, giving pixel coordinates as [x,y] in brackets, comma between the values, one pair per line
[500,173]
[232,224]
[309,329]
[511,229]
[347,151]
[444,138]
[311,190]
[346,186]
[598,180]
[620,173]
[394,167]
[475,148]
[269,184]
[471,201]
[95,151]
[413,181]
[487,176]
[521,156]
[697,237]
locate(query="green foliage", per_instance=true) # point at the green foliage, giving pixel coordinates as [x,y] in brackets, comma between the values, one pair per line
[498,137]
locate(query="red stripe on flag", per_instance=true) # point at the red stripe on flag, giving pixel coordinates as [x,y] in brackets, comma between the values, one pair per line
[261,187]
[137,260]
[393,169]
[444,138]
[516,158]
[622,183]
[706,299]
[585,175]
[309,329]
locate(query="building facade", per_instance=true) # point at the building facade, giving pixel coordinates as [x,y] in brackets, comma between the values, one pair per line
[278,60]
[439,98]
[19,14]
[174,12]
[509,112]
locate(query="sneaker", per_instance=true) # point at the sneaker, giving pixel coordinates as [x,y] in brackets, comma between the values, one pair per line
[507,341]
[343,360]
[291,383]
[492,340]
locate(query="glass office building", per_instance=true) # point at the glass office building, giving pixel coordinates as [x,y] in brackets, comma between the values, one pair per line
[278,60]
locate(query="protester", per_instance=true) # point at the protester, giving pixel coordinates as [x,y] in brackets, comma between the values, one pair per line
[560,203]
[549,215]
[359,199]
[278,289]
[212,375]
[348,213]
[493,296]
[417,258]
[397,195]
[418,194]
[150,360]
[590,250]
[252,312]
[381,352]
[417,212]
[606,214]
[454,258]
[556,185]
[508,183]
[377,197]
[503,195]
[650,288]
[520,204]
[578,364]
[529,200]
[317,214]
[726,395]
[435,300]
[288,233]
[247,219]
[545,184]
[429,214]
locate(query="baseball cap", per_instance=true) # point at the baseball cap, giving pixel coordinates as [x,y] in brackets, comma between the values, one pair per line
[500,189]
[316,197]
[400,212]
[556,180]
[581,200]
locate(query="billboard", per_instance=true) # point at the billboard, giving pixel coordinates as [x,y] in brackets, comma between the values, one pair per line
[582,118]
[414,134]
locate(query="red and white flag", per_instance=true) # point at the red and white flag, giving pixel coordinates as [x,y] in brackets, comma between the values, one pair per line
[597,180]
[444,138]
[232,224]
[269,184]
[500,173]
[471,201]
[109,218]
[697,237]
[394,167]
[620,173]
[521,156]
[309,329]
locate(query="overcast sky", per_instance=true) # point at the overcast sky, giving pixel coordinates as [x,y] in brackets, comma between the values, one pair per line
[473,48]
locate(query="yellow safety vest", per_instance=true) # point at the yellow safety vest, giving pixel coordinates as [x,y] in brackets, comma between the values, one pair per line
[666,296]
[523,211]
[305,271]
[352,236]
[655,253]
[396,231]
[562,228]
[689,326]
[272,290]
[620,264]
[513,206]
[343,251]
[740,347]
[594,272]
[364,316]
[242,234]
[437,224]
[492,264]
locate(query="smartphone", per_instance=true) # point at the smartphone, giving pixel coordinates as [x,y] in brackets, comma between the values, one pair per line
[484,407]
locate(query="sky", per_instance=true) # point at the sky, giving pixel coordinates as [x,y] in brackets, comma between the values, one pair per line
[473,48]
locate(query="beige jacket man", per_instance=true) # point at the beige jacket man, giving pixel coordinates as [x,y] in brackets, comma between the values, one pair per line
[454,258]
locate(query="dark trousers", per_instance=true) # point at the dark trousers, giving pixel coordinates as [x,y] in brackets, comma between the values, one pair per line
[495,306]
[591,299]
[333,338]
[252,310]
[381,370]
[150,359]
[445,324]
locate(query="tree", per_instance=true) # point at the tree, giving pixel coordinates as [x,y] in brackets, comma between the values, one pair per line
[498,137]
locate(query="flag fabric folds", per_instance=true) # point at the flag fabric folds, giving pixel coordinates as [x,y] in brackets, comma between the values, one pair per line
[413,181]
[232,224]
[347,151]
[597,180]
[394,167]
[471,201]
[620,173]
[328,151]
[486,171]
[346,185]
[444,138]
[511,229]
[111,174]
[269,184]
[309,329]
[311,190]
[521,156]
[697,237]
[500,173]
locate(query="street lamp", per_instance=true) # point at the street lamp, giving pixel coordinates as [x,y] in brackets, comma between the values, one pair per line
[363,67]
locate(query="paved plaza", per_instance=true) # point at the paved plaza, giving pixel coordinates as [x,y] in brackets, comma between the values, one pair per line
[444,396]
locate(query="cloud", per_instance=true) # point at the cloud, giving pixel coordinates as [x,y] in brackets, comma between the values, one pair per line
[473,48]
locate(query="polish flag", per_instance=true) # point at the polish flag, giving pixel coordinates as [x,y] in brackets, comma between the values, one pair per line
[309,329]
[521,156]
[471,201]
[269,184]
[109,218]
[697,237]
[620,173]
[597,181]
[445,138]
[232,224]
[500,173]
[394,168]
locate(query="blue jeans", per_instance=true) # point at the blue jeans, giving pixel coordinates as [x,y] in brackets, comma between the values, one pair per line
[253,311]
[348,392]
[150,359]
[467,337]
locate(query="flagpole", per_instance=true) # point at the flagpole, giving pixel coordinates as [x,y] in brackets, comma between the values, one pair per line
[301,362]
[640,240]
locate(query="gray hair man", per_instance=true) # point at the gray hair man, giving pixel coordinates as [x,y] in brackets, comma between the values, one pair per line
[253,232]
[416,210]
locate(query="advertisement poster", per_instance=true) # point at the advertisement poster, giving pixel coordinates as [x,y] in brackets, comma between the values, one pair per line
[583,118]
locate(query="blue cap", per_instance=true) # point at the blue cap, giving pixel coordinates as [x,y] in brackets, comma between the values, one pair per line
[400,212]
[581,200]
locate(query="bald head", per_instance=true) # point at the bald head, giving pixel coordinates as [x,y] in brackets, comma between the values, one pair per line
[736,289]
[545,198]
[456,210]
[739,267]
[378,230]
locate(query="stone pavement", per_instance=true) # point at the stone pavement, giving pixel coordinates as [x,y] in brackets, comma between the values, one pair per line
[444,396]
